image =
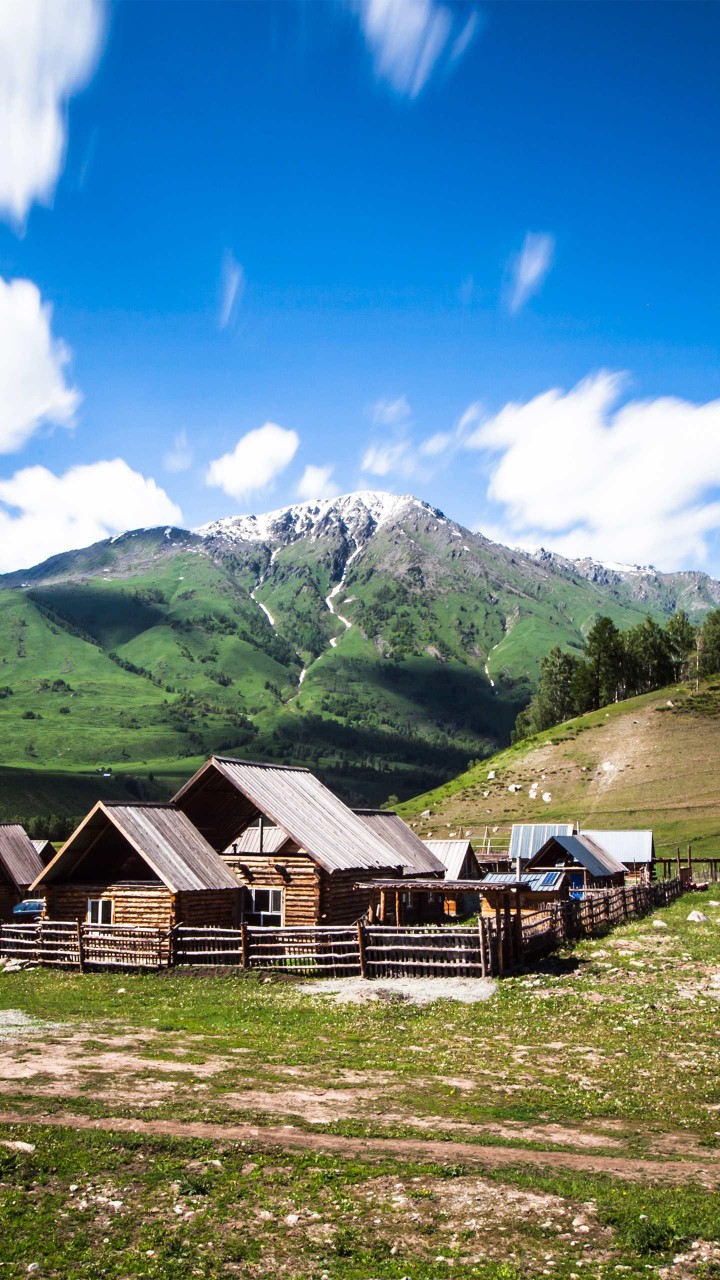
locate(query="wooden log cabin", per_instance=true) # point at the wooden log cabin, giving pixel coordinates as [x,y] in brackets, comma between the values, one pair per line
[634,849]
[587,864]
[314,868]
[19,866]
[138,864]
[530,892]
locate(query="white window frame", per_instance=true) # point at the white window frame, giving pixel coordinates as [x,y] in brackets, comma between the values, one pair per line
[98,907]
[277,899]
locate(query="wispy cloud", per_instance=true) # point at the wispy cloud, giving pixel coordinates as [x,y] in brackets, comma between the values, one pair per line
[257,459]
[33,364]
[529,268]
[409,39]
[386,459]
[316,482]
[42,514]
[180,457]
[390,413]
[577,473]
[48,50]
[232,290]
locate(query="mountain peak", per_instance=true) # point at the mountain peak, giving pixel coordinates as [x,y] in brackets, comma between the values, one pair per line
[357,514]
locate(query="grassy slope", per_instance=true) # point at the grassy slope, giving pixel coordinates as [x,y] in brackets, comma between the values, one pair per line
[640,763]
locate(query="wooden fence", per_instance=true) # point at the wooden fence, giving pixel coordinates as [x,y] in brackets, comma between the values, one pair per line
[494,946]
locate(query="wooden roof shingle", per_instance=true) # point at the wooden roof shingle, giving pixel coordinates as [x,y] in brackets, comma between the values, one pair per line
[19,859]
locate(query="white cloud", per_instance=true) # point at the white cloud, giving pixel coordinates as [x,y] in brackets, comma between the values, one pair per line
[316,482]
[33,389]
[258,457]
[408,39]
[42,514]
[233,288]
[390,413]
[437,444]
[635,483]
[382,459]
[180,457]
[530,268]
[48,50]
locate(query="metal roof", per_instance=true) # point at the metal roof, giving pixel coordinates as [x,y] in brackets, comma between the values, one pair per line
[413,853]
[163,837]
[527,837]
[19,860]
[453,854]
[585,852]
[273,840]
[225,795]
[45,850]
[628,847]
[423,884]
[539,882]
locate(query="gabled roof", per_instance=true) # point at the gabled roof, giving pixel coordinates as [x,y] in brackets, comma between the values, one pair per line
[527,837]
[452,854]
[412,852]
[163,837]
[19,860]
[584,851]
[627,846]
[273,840]
[226,795]
[45,850]
[538,882]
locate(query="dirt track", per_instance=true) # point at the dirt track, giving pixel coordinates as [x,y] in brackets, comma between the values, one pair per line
[670,1172]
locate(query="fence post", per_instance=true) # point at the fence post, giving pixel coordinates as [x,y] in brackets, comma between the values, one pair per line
[690,863]
[81,947]
[244,956]
[481,932]
[172,945]
[519,941]
[361,948]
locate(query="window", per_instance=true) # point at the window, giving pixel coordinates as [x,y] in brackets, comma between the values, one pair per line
[263,906]
[100,911]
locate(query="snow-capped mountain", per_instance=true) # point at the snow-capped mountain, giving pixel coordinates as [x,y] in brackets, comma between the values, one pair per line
[356,516]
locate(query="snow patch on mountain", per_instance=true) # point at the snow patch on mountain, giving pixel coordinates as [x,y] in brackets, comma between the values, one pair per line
[356,515]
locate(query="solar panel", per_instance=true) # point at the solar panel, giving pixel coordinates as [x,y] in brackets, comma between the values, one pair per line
[548,880]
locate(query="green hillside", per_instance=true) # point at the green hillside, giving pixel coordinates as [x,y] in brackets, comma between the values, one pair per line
[649,762]
[368,637]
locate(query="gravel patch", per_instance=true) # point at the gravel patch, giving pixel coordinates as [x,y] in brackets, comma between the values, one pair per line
[14,1023]
[397,990]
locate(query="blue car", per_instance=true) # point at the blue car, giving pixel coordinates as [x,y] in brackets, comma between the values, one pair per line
[28,911]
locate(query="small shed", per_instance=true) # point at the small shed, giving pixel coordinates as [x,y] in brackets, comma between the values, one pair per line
[589,866]
[531,892]
[316,875]
[527,837]
[140,864]
[19,865]
[418,900]
[634,849]
[457,857]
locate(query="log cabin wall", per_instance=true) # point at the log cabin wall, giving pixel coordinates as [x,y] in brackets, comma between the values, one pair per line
[218,907]
[294,872]
[8,898]
[149,905]
[340,902]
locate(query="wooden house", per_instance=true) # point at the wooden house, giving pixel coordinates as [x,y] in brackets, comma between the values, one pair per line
[19,865]
[530,892]
[588,865]
[457,857]
[415,855]
[634,849]
[315,870]
[141,864]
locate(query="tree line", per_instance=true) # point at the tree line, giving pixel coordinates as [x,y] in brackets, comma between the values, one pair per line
[619,664]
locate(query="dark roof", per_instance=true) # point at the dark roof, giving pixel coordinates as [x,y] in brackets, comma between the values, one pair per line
[19,860]
[45,849]
[584,851]
[423,884]
[164,838]
[527,837]
[226,795]
[539,882]
[452,854]
[412,852]
[628,847]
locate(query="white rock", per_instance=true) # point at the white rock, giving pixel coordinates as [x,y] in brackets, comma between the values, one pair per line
[547,796]
[491,774]
[698,917]
[17,1146]
[659,924]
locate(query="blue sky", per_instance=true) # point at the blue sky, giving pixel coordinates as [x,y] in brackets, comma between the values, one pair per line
[258,252]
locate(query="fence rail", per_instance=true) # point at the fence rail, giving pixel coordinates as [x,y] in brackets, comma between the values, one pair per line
[495,945]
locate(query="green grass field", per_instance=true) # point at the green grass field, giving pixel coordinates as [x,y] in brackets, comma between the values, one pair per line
[566,1126]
